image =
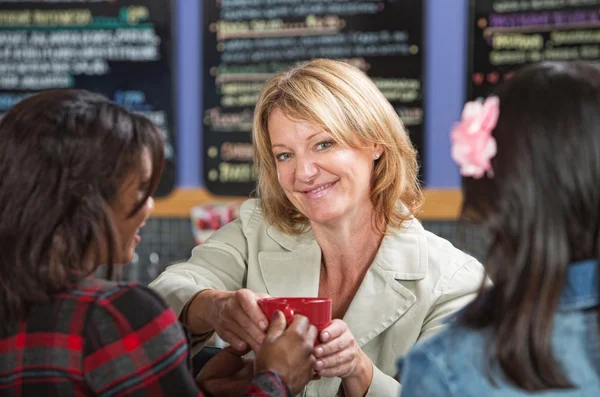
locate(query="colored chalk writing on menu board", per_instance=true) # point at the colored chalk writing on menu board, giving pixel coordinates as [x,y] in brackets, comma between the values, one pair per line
[118,48]
[247,41]
[507,34]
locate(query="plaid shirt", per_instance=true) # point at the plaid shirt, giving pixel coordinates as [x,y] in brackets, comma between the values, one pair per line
[104,339]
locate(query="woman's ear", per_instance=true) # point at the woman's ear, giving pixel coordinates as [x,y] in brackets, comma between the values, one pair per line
[377,151]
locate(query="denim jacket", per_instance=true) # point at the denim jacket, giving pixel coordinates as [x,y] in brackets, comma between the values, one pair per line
[452,362]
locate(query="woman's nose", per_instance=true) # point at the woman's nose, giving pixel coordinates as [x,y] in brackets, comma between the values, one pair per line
[306,170]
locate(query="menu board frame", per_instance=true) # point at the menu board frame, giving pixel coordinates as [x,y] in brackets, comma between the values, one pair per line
[209,150]
[168,181]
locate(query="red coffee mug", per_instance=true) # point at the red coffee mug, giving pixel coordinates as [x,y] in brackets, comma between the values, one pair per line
[317,310]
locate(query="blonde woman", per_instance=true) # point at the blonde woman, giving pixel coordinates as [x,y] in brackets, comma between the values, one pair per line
[337,193]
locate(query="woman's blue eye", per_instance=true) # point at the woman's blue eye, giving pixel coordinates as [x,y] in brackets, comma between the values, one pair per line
[282,156]
[324,145]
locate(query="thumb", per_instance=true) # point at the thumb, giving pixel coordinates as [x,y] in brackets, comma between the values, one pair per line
[277,326]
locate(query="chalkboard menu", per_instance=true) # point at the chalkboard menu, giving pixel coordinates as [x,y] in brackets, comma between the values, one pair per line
[121,49]
[506,34]
[247,41]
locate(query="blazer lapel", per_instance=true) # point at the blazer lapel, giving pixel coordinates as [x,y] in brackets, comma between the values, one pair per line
[378,303]
[292,273]
[381,299]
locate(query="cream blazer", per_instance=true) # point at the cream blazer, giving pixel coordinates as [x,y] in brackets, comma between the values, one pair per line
[415,283]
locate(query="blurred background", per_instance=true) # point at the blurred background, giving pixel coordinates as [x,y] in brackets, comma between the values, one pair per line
[195,68]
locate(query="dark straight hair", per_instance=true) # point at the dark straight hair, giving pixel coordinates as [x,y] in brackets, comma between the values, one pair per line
[64,156]
[542,212]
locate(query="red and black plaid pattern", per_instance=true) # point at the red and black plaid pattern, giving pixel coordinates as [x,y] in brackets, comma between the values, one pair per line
[104,339]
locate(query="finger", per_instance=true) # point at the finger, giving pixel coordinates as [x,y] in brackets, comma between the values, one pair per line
[312,334]
[250,336]
[335,345]
[242,325]
[336,360]
[300,325]
[235,342]
[251,344]
[244,334]
[277,327]
[334,330]
[247,300]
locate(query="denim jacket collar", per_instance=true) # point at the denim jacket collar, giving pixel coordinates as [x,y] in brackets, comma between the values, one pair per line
[581,286]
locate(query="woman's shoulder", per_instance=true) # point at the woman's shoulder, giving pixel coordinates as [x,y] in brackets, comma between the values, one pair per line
[448,261]
[251,222]
[120,295]
[437,255]
[121,301]
[441,249]
[95,306]
[93,286]
[456,273]
[98,289]
[127,310]
[436,247]
[251,214]
[91,289]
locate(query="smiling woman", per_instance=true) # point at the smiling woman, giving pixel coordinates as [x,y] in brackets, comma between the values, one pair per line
[338,191]
[323,180]
[357,128]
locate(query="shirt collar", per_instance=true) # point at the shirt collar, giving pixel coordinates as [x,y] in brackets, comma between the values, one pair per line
[581,286]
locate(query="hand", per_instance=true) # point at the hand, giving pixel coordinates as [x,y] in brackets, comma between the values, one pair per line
[226,374]
[339,355]
[288,352]
[235,316]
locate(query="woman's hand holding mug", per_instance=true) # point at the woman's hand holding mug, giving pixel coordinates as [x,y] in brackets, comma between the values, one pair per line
[234,315]
[239,321]
[339,355]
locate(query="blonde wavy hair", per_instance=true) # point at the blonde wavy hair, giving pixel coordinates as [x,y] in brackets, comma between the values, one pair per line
[346,103]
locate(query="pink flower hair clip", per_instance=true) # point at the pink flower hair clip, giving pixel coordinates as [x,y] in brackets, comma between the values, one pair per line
[473,145]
